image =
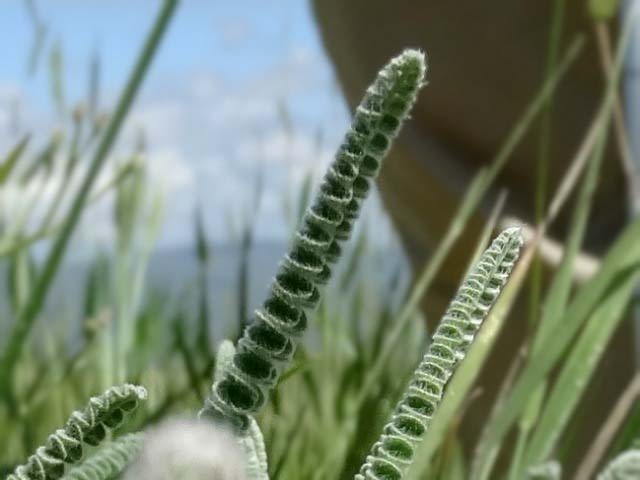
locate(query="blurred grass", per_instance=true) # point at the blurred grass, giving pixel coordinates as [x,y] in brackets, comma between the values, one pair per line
[27,315]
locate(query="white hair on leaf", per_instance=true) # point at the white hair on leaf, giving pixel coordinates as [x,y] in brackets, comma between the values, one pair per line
[188,450]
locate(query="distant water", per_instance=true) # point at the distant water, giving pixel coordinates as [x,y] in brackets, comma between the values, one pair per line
[173,273]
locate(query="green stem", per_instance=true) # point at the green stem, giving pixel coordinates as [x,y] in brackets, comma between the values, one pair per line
[518,454]
[544,147]
[555,34]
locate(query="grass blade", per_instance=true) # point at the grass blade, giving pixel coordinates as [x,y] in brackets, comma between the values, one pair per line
[12,158]
[203,257]
[602,441]
[579,367]
[622,255]
[560,287]
[56,74]
[489,227]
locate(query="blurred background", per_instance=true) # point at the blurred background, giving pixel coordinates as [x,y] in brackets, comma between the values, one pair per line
[240,109]
[238,118]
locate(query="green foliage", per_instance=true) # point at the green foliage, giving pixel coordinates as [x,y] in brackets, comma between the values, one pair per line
[603,9]
[108,462]
[393,453]
[88,426]
[625,466]
[27,316]
[11,159]
[269,342]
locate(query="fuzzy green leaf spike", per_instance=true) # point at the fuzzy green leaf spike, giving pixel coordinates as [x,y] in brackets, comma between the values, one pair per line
[108,462]
[377,122]
[84,427]
[268,343]
[251,441]
[392,455]
[625,466]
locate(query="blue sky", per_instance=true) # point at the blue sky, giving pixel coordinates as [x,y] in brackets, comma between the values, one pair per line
[211,107]
[234,39]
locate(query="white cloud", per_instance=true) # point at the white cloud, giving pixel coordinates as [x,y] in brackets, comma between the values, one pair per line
[209,138]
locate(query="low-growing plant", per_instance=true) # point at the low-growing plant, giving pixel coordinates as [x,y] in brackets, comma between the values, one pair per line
[85,427]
